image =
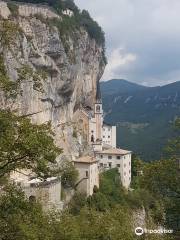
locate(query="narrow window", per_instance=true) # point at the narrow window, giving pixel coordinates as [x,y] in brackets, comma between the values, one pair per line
[110,165]
[118,165]
[118,157]
[87,174]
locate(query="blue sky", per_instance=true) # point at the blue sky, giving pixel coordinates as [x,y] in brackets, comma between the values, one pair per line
[142,38]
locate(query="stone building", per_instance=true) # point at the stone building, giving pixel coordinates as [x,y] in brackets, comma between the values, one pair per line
[88,174]
[47,192]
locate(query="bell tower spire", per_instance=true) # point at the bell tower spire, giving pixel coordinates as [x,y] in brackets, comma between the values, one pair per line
[98,112]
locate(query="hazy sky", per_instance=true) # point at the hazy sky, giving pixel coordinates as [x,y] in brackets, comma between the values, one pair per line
[142,38]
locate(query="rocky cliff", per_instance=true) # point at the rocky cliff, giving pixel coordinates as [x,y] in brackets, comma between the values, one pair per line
[55,72]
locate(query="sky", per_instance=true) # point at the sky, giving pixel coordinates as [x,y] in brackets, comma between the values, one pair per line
[142,39]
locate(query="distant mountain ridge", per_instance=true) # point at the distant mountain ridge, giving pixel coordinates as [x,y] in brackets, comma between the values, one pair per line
[143,115]
[119,85]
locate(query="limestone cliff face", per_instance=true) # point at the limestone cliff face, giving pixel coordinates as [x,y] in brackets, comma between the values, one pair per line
[72,65]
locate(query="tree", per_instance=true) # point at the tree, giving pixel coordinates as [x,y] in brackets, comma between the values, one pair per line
[69,175]
[21,219]
[24,145]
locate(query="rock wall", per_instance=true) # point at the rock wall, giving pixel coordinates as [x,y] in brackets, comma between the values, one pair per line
[27,10]
[72,63]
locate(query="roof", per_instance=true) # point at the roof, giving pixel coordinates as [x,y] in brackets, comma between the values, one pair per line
[115,151]
[86,159]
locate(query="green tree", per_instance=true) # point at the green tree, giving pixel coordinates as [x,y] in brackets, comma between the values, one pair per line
[69,175]
[24,145]
[21,219]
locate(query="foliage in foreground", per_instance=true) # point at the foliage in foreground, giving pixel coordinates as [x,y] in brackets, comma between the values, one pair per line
[24,145]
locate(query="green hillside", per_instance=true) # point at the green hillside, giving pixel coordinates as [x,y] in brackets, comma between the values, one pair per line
[143,115]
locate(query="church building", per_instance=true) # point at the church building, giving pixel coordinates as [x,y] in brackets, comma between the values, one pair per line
[102,137]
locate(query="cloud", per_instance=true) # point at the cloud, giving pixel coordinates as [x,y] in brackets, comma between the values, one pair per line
[147,30]
[118,59]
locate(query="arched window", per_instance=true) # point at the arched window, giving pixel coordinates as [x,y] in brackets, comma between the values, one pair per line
[32,198]
[98,108]
[92,138]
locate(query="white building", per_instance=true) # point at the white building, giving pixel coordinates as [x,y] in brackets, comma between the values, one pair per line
[109,135]
[68,12]
[116,158]
[88,174]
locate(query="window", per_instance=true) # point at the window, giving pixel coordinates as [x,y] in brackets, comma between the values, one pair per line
[109,157]
[108,136]
[129,171]
[124,173]
[103,136]
[101,164]
[110,165]
[118,165]
[109,129]
[118,157]
[87,174]
[101,156]
[98,108]
[129,164]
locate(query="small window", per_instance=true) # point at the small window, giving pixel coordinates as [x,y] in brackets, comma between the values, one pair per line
[101,164]
[103,136]
[118,165]
[109,157]
[110,165]
[105,165]
[87,174]
[109,129]
[118,157]
[129,171]
[101,156]
[129,163]
[108,136]
[98,108]
[124,173]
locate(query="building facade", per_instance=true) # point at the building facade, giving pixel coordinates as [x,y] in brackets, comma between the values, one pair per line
[88,174]
[47,192]
[116,158]
[109,135]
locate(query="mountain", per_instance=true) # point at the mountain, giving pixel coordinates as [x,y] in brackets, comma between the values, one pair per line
[119,86]
[143,115]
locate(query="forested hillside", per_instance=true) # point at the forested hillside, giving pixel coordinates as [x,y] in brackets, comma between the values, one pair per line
[143,115]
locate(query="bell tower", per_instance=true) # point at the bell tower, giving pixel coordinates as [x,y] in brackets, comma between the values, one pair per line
[98,112]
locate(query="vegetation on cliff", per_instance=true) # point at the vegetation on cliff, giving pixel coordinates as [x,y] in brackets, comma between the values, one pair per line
[79,19]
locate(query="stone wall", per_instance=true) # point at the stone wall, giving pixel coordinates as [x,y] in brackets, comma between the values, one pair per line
[47,193]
